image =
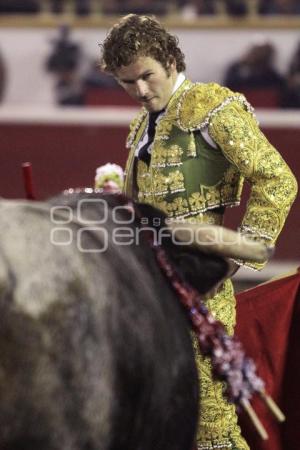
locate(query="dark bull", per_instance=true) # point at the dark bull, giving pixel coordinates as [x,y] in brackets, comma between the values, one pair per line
[95,350]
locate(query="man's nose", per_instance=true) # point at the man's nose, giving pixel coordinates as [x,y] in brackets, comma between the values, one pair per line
[141,88]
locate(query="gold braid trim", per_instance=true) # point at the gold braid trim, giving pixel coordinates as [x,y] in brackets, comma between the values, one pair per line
[217,424]
[135,126]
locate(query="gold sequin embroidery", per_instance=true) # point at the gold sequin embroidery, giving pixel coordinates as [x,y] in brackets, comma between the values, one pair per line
[274,187]
[217,420]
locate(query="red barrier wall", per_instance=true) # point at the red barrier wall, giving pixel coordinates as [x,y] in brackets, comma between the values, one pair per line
[65,156]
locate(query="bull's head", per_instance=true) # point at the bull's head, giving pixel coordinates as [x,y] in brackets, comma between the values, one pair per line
[205,254]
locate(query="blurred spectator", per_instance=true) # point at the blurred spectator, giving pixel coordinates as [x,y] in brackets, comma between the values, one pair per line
[255,69]
[65,54]
[236,8]
[279,7]
[291,90]
[19,6]
[157,7]
[64,62]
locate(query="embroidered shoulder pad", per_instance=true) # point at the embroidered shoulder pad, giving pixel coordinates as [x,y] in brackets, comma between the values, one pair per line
[202,101]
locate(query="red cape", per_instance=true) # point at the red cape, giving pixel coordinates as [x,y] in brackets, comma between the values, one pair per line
[268,324]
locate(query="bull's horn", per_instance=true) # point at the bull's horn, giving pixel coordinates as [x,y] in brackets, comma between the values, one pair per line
[220,240]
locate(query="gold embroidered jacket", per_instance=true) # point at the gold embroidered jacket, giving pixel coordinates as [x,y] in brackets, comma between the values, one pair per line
[188,177]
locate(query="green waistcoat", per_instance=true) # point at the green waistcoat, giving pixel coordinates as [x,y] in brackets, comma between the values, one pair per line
[186,175]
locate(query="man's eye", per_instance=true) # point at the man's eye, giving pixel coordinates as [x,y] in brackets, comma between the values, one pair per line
[147,76]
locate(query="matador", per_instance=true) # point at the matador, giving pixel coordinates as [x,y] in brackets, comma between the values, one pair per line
[191,147]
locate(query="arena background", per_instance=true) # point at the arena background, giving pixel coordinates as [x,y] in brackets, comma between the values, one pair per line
[65,145]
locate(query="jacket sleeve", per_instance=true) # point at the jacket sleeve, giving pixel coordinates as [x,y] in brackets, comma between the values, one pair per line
[273,186]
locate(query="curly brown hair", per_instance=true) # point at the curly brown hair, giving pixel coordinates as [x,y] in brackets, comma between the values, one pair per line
[134,36]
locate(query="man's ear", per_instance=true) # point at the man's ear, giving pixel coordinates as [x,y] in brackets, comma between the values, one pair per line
[172,61]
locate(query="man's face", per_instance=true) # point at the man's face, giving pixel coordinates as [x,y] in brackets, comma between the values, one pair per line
[146,81]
